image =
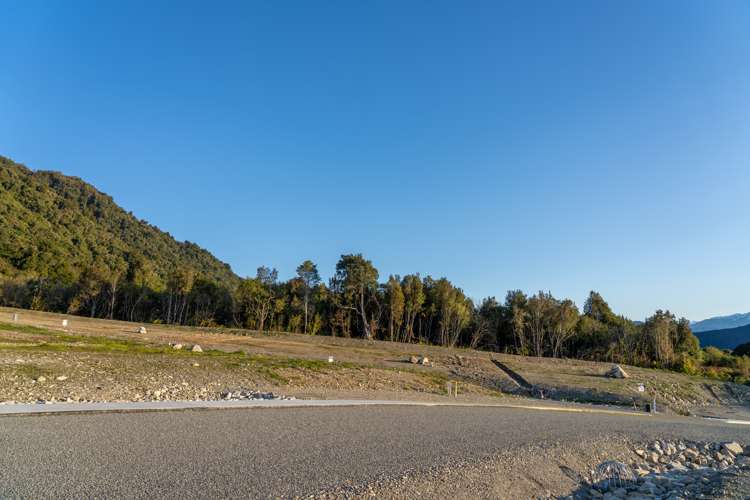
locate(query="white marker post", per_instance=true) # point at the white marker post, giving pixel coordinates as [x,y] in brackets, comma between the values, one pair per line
[15,316]
[330,359]
[65,323]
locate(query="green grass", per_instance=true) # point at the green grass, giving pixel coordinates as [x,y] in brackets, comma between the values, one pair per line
[33,330]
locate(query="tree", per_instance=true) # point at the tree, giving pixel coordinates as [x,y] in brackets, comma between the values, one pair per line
[356,282]
[414,298]
[564,320]
[115,272]
[453,310]
[394,297]
[89,291]
[487,319]
[179,285]
[516,317]
[685,341]
[597,308]
[660,330]
[539,307]
[308,275]
[141,278]
[257,298]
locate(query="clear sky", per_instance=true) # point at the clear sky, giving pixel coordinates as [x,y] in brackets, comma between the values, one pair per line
[563,146]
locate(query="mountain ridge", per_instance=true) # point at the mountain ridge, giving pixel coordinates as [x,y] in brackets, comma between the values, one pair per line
[727,338]
[721,322]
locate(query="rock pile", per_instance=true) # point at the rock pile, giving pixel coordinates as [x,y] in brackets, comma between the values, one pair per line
[668,470]
[238,394]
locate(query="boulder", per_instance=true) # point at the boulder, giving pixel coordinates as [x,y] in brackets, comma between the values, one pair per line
[142,330]
[197,348]
[425,361]
[732,447]
[617,372]
[177,346]
[414,360]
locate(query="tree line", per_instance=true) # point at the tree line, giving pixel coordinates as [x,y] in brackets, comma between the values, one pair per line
[356,303]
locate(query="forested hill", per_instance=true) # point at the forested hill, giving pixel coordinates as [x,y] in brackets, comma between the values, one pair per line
[728,338]
[57,227]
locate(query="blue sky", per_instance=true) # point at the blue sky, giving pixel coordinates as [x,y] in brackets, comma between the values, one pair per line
[563,146]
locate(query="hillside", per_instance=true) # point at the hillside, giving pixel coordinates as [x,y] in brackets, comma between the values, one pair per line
[55,226]
[721,322]
[728,338]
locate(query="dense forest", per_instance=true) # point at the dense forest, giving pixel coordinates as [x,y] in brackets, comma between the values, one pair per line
[66,247]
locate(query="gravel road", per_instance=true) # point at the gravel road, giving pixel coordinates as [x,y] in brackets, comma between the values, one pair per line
[264,453]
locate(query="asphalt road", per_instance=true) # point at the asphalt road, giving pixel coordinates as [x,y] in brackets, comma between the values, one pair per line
[282,452]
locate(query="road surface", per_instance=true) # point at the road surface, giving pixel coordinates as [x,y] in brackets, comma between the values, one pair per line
[286,452]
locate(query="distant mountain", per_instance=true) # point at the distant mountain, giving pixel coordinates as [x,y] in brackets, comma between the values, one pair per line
[56,226]
[727,338]
[721,322]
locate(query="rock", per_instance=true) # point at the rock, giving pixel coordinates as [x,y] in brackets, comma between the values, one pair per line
[196,364]
[142,330]
[41,378]
[196,348]
[177,346]
[414,360]
[732,447]
[617,372]
[641,453]
[690,454]
[653,457]
[61,378]
[425,361]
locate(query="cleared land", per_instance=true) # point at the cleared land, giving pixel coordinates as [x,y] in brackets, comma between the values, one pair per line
[100,360]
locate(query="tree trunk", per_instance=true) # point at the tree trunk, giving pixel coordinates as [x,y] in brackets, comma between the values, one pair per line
[306,294]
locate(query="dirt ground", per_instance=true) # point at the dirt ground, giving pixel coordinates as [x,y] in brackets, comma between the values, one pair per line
[101,360]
